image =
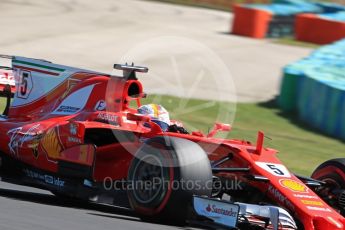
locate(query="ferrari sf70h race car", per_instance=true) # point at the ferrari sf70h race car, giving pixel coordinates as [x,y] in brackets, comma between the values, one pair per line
[77,133]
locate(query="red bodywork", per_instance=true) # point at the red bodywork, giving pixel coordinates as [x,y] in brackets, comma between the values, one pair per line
[43,131]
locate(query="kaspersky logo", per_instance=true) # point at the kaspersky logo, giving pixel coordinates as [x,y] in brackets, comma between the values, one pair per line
[221,211]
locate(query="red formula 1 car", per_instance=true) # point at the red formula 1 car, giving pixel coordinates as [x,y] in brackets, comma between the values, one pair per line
[74,133]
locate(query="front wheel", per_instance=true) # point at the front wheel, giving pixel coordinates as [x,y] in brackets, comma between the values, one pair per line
[164,175]
[332,172]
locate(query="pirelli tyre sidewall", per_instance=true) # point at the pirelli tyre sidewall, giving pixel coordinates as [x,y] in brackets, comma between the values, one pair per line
[332,171]
[172,162]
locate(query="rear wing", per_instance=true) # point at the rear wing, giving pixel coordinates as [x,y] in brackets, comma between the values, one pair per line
[7,80]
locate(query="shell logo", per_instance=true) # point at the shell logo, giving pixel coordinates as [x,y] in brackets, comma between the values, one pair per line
[293,185]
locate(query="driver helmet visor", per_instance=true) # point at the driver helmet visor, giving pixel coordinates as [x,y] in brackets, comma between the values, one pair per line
[164,126]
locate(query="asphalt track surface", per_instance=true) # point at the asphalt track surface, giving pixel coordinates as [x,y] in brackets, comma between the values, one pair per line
[94,34]
[23,208]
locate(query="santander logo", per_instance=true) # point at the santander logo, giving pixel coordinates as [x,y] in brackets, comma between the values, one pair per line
[221,211]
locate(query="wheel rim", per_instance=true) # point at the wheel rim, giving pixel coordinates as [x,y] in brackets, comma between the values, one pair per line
[332,182]
[148,178]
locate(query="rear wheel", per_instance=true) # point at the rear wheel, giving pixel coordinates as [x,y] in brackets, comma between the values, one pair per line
[333,173]
[165,174]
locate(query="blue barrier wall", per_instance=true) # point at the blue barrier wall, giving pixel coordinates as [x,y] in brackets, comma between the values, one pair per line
[314,87]
[293,7]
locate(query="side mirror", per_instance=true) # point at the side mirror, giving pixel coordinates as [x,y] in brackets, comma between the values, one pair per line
[217,128]
[141,118]
[137,117]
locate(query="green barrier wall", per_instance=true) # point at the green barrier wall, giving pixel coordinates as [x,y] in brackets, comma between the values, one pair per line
[288,92]
[314,87]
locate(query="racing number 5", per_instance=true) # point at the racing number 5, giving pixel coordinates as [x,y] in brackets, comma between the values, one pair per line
[24,84]
[275,169]
[278,170]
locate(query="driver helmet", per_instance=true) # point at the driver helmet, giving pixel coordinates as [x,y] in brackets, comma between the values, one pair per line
[157,113]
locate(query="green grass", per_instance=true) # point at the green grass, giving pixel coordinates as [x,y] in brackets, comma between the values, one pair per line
[292,42]
[300,148]
[2,104]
